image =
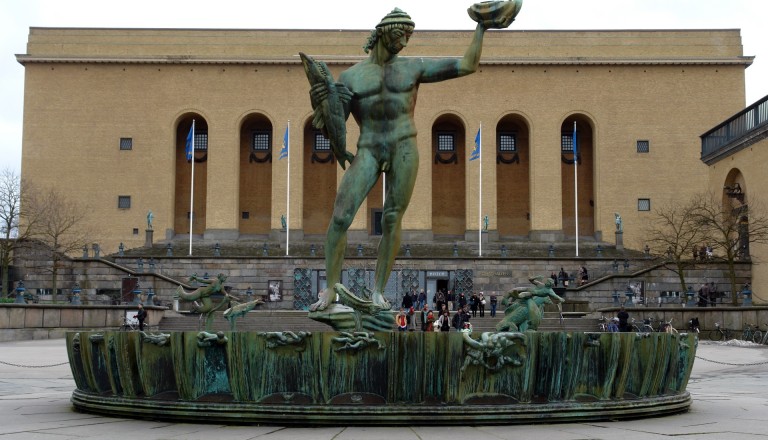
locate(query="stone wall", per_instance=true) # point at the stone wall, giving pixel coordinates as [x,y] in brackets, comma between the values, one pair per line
[491,275]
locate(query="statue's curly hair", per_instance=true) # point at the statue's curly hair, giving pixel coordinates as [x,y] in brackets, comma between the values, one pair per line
[379,31]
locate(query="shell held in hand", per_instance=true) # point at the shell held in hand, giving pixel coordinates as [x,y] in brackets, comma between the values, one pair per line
[495,14]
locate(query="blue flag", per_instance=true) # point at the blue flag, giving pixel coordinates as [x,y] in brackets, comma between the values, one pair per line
[575,143]
[475,154]
[284,150]
[190,142]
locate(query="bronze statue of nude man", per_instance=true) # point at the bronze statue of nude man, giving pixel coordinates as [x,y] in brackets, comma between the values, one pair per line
[380,92]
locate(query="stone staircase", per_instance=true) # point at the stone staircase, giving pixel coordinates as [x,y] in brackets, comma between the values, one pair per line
[297,320]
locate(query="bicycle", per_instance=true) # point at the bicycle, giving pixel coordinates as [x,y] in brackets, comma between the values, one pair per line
[647,326]
[129,325]
[634,326]
[751,333]
[764,340]
[720,333]
[666,327]
[608,325]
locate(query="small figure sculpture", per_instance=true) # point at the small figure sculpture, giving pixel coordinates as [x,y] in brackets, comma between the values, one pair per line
[619,226]
[494,350]
[282,339]
[485,223]
[356,341]
[205,306]
[150,217]
[238,311]
[527,310]
[283,224]
[380,92]
[159,339]
[205,339]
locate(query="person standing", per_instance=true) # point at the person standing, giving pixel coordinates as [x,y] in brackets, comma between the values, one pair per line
[481,304]
[401,321]
[623,320]
[141,315]
[494,303]
[474,301]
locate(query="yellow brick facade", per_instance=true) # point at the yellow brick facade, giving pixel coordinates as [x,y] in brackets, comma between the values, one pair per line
[87,88]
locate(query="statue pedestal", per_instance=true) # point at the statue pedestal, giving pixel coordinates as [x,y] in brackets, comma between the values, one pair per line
[619,240]
[149,237]
[484,237]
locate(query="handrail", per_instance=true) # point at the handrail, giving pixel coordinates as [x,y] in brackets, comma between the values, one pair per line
[751,118]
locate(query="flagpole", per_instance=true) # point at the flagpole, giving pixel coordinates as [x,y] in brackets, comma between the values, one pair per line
[576,185]
[288,191]
[192,190]
[480,195]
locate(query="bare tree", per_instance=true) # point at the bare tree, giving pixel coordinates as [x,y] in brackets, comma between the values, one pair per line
[59,228]
[730,226]
[17,220]
[674,233]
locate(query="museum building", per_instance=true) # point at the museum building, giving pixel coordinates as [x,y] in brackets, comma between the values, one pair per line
[107,113]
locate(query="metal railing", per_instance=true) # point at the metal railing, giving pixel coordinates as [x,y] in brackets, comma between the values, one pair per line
[747,120]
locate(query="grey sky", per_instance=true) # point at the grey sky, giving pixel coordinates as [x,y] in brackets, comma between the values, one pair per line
[17,16]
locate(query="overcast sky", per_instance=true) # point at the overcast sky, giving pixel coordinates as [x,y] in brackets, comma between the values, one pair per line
[17,16]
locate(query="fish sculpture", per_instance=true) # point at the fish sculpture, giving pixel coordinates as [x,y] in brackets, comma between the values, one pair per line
[329,114]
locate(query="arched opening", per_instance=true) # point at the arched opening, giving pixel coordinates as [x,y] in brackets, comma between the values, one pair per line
[259,147]
[735,203]
[449,177]
[184,176]
[584,173]
[319,184]
[512,176]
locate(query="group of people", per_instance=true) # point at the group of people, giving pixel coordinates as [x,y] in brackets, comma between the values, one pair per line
[708,294]
[564,279]
[441,318]
[703,253]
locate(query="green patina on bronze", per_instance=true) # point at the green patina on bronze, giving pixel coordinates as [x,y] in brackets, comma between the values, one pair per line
[379,377]
[203,301]
[525,307]
[380,93]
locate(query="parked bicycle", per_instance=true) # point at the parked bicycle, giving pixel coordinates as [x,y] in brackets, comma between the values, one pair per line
[634,326]
[764,339]
[719,333]
[608,325]
[647,326]
[666,327]
[751,333]
[129,325]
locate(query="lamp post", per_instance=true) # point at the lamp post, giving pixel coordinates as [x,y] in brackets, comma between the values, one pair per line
[359,250]
[76,295]
[747,293]
[599,251]
[630,294]
[407,250]
[121,250]
[690,302]
[616,298]
[248,294]
[20,293]
[217,250]
[455,249]
[503,251]
[551,251]
[136,295]
[312,250]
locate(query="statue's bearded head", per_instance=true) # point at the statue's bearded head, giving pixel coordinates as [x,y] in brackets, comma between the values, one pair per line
[396,28]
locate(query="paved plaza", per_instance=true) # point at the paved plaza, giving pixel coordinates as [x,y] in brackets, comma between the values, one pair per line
[729,386]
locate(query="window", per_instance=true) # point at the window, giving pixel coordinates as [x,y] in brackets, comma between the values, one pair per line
[246,215]
[201,139]
[566,142]
[126,143]
[507,142]
[123,202]
[446,142]
[643,204]
[135,231]
[261,141]
[321,142]
[643,146]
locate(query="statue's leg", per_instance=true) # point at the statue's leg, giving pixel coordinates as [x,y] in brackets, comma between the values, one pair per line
[401,179]
[355,185]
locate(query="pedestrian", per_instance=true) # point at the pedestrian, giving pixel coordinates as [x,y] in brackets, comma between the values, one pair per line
[623,317]
[407,306]
[481,304]
[425,313]
[445,322]
[401,321]
[493,305]
[141,316]
[474,301]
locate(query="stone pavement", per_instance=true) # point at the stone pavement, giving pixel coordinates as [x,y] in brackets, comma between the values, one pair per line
[729,386]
